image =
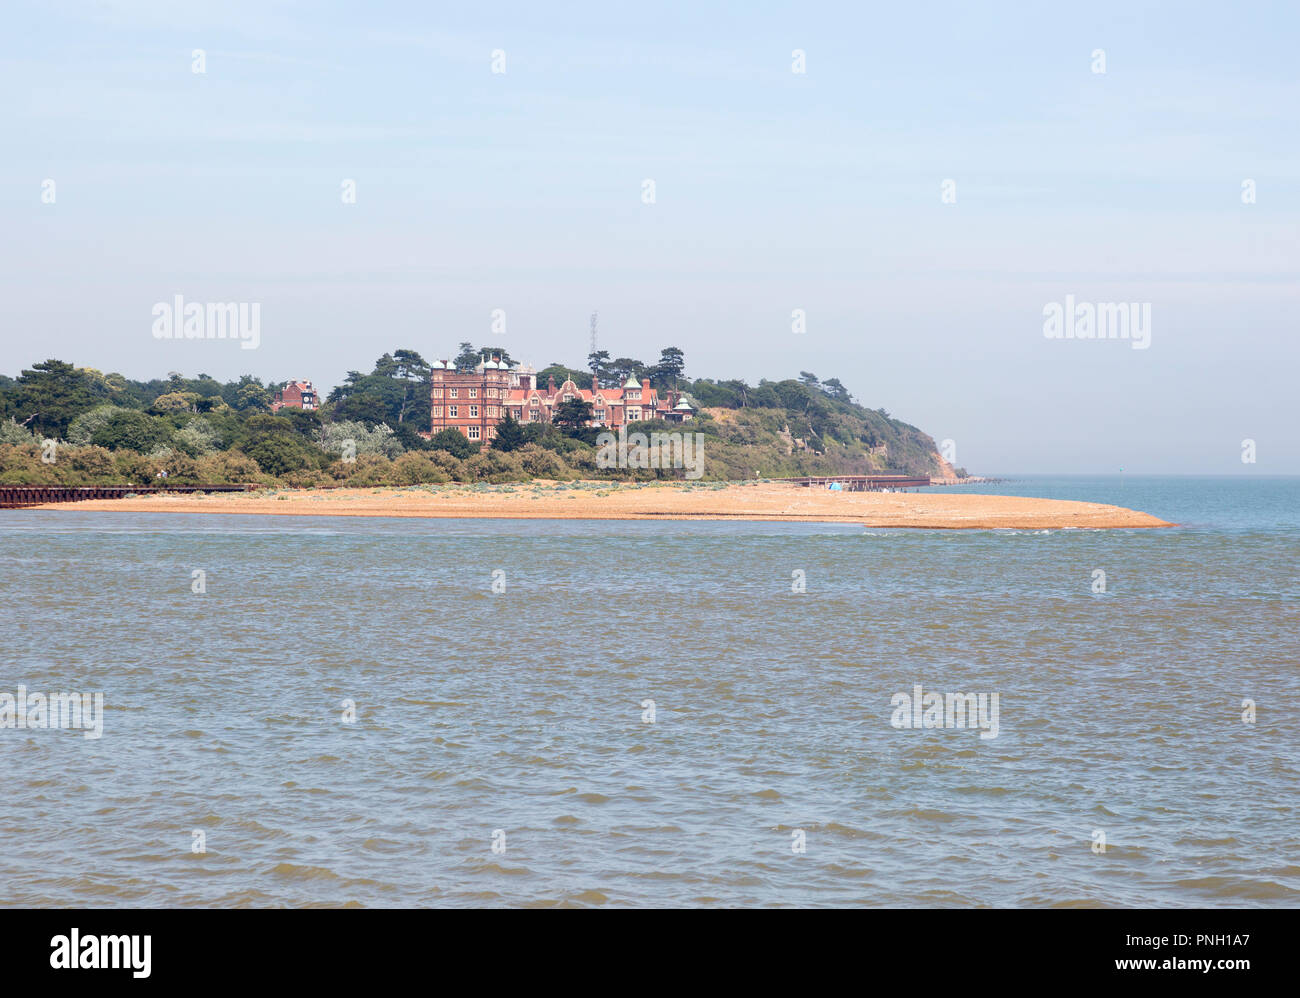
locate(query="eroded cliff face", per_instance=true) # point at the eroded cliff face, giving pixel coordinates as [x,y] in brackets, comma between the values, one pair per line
[943,470]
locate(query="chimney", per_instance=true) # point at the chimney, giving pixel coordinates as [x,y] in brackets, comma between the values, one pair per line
[550,384]
[595,385]
[645,389]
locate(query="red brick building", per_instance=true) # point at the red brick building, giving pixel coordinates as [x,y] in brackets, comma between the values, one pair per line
[475,401]
[295,395]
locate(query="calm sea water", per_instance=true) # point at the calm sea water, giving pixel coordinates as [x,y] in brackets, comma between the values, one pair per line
[521,712]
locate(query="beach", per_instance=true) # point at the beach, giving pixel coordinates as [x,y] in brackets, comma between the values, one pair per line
[758,501]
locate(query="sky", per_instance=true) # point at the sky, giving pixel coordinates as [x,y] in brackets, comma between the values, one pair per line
[774,190]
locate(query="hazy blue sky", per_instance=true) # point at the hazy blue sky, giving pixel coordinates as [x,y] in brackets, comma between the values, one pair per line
[774,191]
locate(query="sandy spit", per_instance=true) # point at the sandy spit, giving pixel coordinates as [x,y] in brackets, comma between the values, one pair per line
[659,501]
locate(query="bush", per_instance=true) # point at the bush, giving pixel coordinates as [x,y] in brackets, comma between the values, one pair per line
[228,468]
[452,465]
[87,466]
[181,470]
[418,469]
[133,469]
[563,445]
[22,465]
[310,478]
[540,463]
[494,466]
[12,433]
[369,469]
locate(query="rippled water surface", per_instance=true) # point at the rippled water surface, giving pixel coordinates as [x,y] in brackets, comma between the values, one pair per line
[522,711]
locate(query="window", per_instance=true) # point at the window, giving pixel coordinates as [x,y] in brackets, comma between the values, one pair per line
[568,396]
[473,432]
[437,393]
[453,393]
[492,431]
[491,410]
[473,412]
[453,411]
[599,413]
[437,410]
[473,393]
[633,415]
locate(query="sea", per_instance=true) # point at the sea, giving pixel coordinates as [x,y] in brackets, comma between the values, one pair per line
[347,711]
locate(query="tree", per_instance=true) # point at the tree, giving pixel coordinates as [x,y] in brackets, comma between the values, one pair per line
[454,442]
[395,393]
[740,389]
[410,438]
[362,406]
[623,368]
[278,455]
[468,356]
[176,402]
[304,422]
[413,371]
[572,414]
[250,395]
[363,438]
[272,442]
[598,365]
[132,430]
[672,364]
[53,393]
[510,435]
[561,374]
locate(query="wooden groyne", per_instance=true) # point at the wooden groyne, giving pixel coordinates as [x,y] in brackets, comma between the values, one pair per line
[18,496]
[861,483]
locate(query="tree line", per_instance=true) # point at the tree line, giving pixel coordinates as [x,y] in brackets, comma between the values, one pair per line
[121,429]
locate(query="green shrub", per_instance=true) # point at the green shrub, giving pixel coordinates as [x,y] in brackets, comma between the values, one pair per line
[418,469]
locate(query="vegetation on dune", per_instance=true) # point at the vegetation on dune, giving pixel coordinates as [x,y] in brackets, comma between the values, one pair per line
[109,429]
